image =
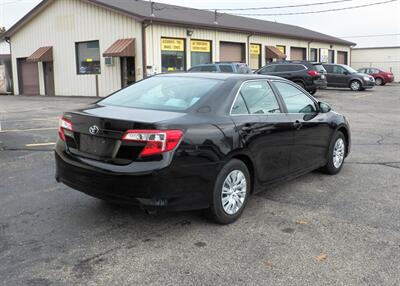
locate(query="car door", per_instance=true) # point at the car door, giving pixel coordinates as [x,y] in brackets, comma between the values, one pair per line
[264,128]
[338,77]
[312,131]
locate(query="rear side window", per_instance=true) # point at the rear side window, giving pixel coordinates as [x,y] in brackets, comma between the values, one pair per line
[296,101]
[163,93]
[195,69]
[226,68]
[329,69]
[284,68]
[267,69]
[256,97]
[208,69]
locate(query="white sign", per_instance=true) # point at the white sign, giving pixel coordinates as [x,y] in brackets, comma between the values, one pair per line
[323,55]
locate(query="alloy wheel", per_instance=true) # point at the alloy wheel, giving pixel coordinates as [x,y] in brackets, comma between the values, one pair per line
[233,192]
[355,85]
[378,81]
[338,153]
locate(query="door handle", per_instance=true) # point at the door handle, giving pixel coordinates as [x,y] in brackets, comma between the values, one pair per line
[297,124]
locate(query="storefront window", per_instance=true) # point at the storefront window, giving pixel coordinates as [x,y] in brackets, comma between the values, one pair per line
[282,49]
[255,56]
[331,56]
[313,55]
[200,52]
[88,57]
[172,55]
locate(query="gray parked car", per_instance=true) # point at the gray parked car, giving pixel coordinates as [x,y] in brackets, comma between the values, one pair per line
[226,67]
[345,76]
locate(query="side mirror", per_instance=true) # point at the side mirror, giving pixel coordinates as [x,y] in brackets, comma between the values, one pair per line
[346,73]
[324,107]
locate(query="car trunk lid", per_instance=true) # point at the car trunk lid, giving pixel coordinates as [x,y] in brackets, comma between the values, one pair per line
[98,131]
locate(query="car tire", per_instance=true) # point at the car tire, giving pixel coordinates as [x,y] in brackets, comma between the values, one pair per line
[313,91]
[378,81]
[299,83]
[336,154]
[230,195]
[355,85]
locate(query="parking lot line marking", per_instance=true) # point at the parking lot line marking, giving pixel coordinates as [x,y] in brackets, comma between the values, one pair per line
[40,144]
[32,129]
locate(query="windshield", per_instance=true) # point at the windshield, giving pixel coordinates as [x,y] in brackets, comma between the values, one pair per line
[163,93]
[350,69]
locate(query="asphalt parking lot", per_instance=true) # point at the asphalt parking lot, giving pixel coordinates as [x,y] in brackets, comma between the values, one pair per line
[315,230]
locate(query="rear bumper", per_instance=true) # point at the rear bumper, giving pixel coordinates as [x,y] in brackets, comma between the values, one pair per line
[317,84]
[173,188]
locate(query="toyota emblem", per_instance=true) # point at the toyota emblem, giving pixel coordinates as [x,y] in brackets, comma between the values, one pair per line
[94,129]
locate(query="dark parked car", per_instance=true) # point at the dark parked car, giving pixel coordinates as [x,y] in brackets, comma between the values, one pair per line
[226,67]
[198,140]
[308,75]
[381,77]
[345,76]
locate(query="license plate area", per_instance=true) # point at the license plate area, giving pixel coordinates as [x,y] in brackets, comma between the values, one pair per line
[99,146]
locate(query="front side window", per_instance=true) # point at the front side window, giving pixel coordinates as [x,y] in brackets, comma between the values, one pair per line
[88,57]
[339,70]
[200,52]
[256,97]
[172,55]
[163,93]
[296,101]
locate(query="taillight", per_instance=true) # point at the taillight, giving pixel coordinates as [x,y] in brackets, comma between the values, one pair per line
[63,123]
[313,73]
[157,141]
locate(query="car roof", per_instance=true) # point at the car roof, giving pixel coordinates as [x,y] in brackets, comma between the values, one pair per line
[220,76]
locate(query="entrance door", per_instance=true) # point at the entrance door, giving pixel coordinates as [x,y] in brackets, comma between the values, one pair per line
[232,52]
[48,78]
[342,58]
[28,77]
[127,71]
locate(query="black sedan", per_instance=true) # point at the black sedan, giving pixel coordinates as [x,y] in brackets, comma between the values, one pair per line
[198,141]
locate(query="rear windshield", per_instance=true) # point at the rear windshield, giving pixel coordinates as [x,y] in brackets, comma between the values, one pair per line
[163,93]
[319,68]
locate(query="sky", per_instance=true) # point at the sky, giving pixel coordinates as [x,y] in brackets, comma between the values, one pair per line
[368,27]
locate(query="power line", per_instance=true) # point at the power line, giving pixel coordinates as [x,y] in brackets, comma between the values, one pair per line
[280,7]
[370,36]
[315,12]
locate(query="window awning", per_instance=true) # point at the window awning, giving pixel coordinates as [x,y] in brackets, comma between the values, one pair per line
[121,48]
[274,53]
[43,54]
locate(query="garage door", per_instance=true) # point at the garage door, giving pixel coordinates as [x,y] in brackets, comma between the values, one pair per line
[28,77]
[342,58]
[231,52]
[298,54]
